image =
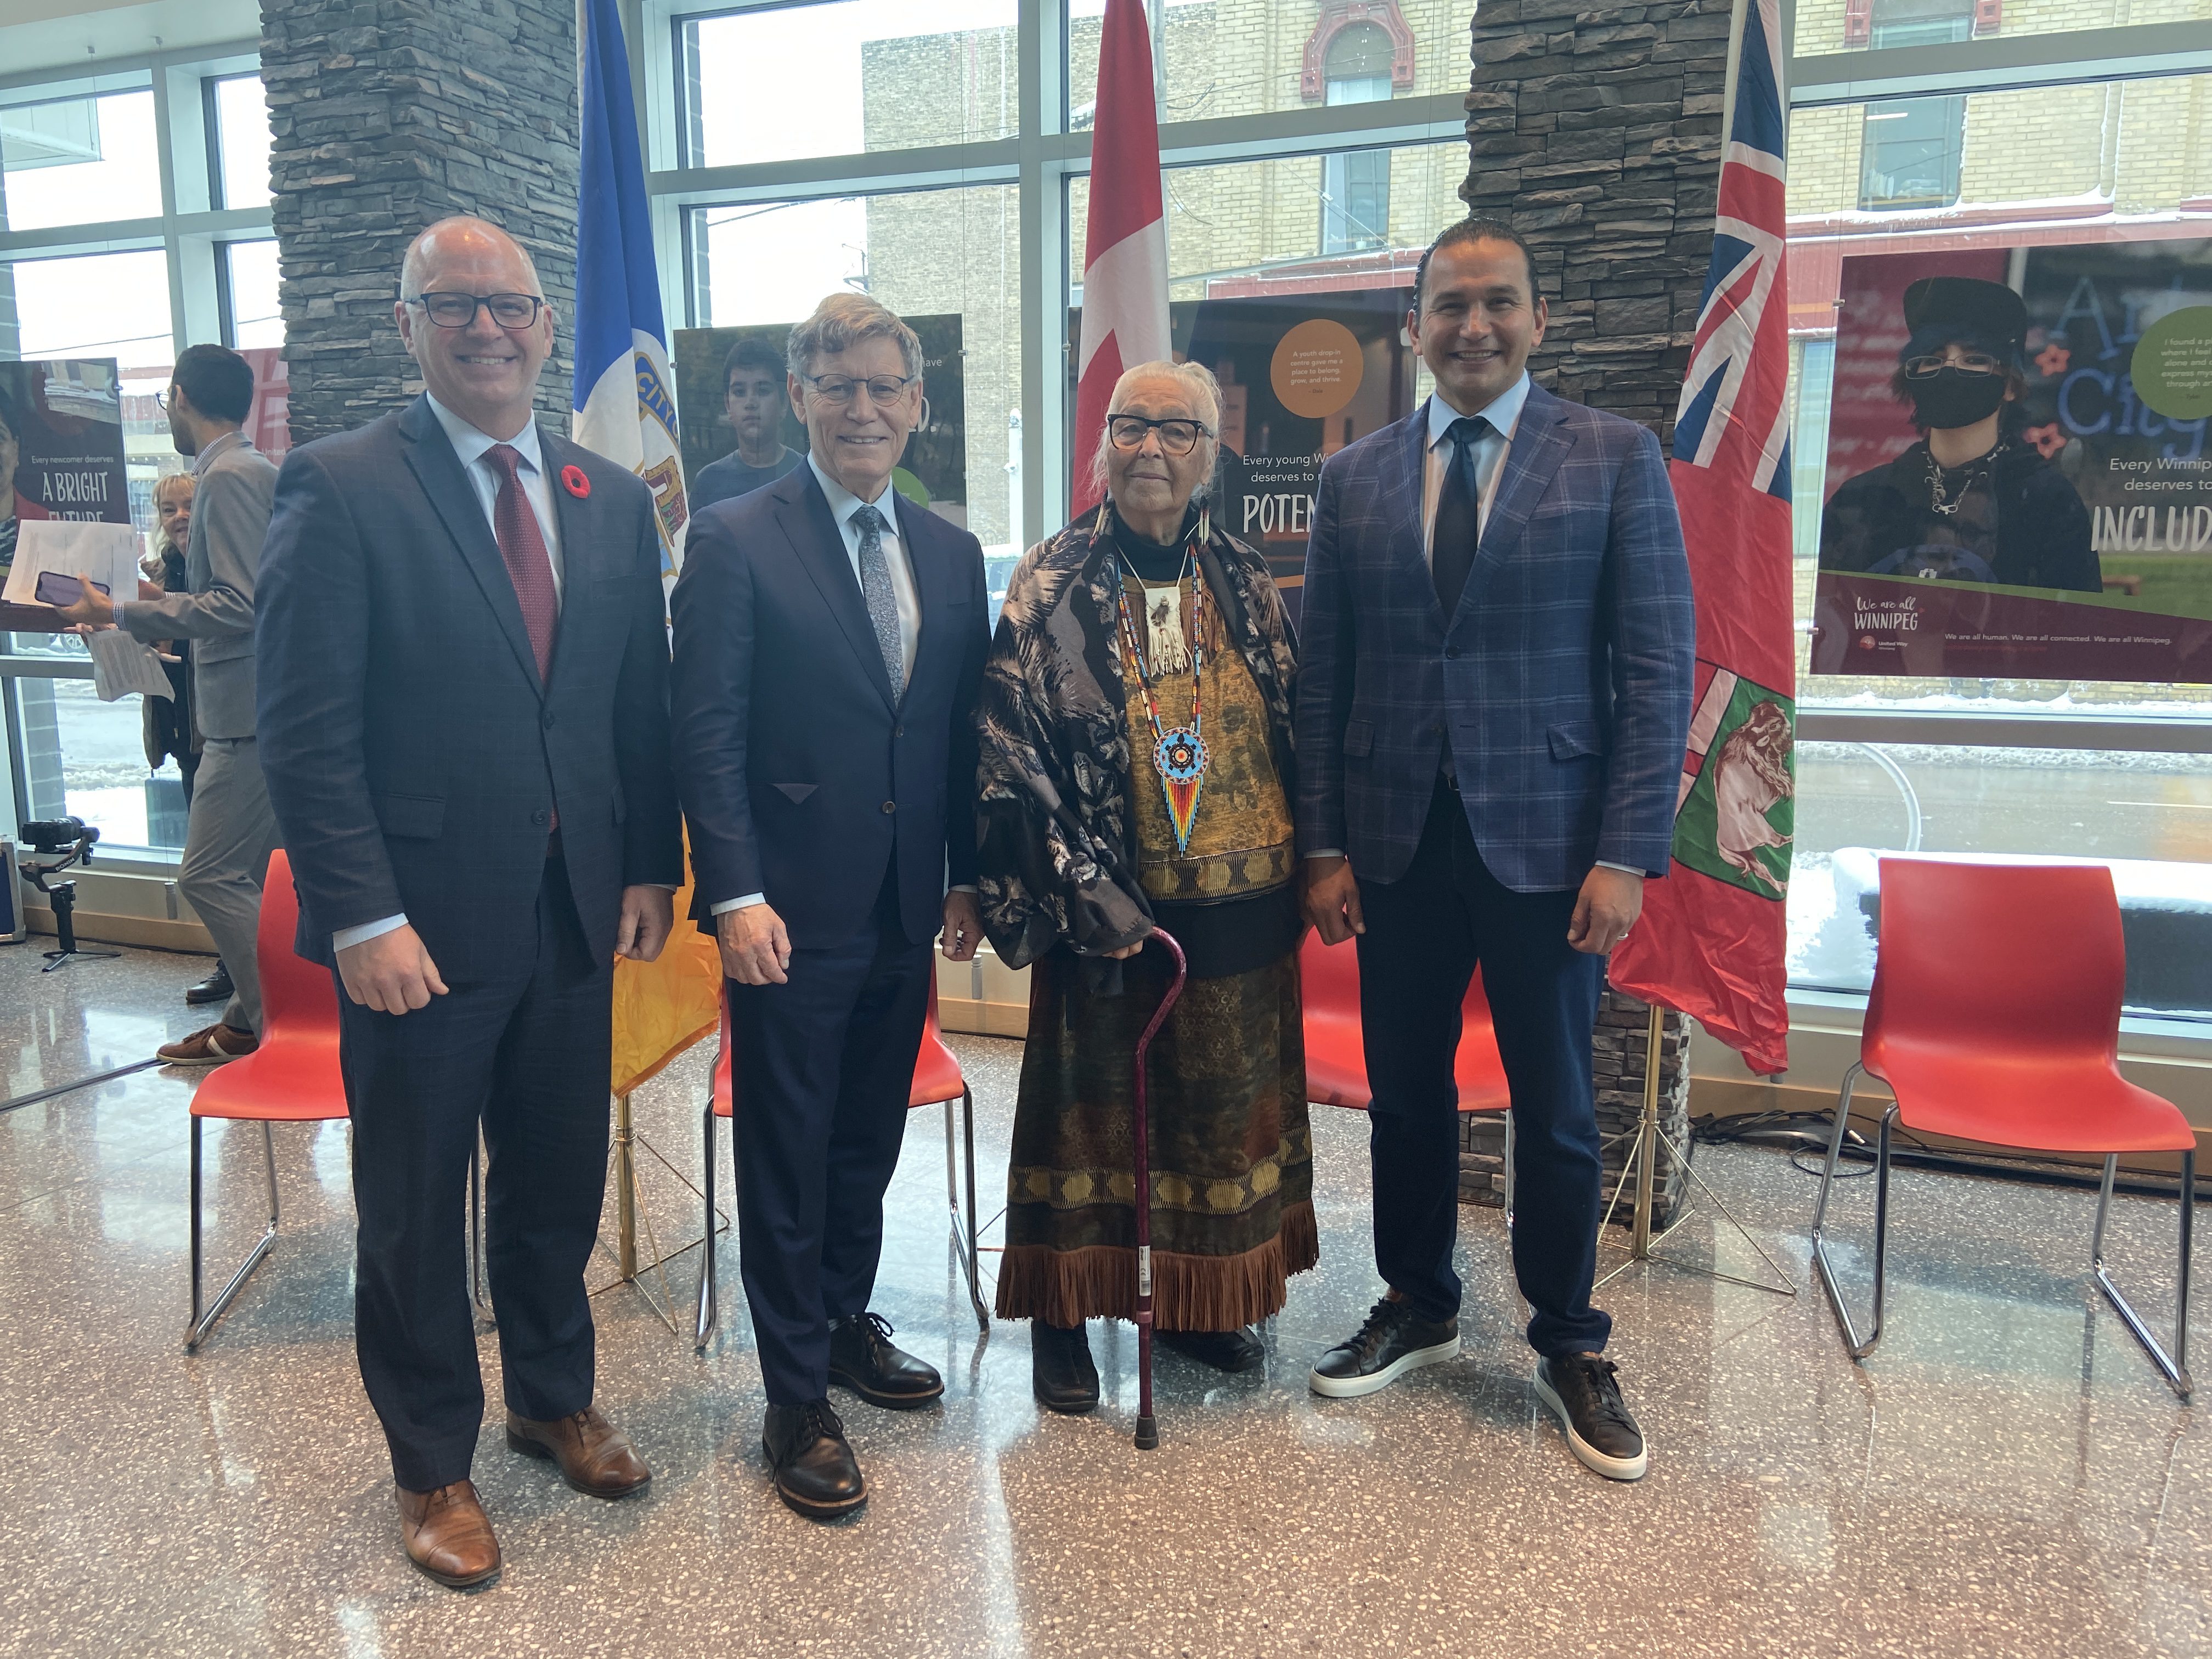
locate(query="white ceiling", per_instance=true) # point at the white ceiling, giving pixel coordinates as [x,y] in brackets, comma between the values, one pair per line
[79,34]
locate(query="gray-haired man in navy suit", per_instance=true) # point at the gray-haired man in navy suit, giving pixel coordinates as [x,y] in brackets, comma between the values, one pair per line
[1492,705]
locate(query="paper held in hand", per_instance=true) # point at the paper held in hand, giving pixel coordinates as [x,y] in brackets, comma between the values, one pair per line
[120,667]
[108,553]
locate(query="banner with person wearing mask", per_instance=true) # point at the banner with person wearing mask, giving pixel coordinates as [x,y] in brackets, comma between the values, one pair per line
[2018,480]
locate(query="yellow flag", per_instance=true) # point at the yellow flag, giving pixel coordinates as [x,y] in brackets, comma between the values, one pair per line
[662,1007]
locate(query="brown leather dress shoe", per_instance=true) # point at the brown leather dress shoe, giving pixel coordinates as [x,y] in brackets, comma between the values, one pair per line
[594,1456]
[448,1535]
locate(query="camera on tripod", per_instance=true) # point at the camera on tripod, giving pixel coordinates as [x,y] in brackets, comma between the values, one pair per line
[63,841]
[67,835]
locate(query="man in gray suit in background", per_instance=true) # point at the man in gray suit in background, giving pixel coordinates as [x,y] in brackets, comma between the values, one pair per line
[232,830]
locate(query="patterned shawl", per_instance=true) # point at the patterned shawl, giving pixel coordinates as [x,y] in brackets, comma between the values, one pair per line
[1058,841]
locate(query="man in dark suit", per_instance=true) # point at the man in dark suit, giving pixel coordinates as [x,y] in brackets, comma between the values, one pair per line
[829,640]
[1492,705]
[464,723]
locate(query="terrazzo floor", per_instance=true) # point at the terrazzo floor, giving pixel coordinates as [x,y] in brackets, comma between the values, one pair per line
[2006,1476]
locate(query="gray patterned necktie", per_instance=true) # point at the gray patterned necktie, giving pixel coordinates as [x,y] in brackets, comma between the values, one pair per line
[876,589]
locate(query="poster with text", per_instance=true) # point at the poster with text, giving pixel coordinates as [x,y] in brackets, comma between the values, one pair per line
[61,444]
[739,433]
[2018,483]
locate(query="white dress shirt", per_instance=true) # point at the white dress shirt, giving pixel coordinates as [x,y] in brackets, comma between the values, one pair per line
[485,477]
[1488,453]
[843,504]
[1503,414]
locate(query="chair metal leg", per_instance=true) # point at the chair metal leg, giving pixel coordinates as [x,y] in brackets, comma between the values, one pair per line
[1860,1346]
[2175,1367]
[964,1230]
[709,1312]
[1509,1168]
[478,1291]
[196,1332]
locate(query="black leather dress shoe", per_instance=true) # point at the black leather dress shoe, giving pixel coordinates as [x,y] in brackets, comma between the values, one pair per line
[1062,1375]
[215,988]
[1225,1351]
[1392,1341]
[816,1473]
[861,1357]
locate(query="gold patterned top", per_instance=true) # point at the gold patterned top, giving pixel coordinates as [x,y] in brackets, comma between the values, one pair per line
[1241,840]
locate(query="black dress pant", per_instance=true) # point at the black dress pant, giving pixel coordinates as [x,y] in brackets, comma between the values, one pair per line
[527,1055]
[1426,933]
[823,1066]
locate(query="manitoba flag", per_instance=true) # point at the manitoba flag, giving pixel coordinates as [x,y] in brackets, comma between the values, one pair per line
[1712,937]
[1125,249]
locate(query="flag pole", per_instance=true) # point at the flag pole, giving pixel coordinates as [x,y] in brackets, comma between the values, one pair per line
[1643,1162]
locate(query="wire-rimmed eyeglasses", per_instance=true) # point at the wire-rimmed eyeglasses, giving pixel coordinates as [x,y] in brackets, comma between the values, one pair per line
[838,388]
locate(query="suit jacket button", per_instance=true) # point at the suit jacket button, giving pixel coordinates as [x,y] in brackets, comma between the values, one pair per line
[898,730]
[1451,651]
[890,806]
[548,719]
[541,818]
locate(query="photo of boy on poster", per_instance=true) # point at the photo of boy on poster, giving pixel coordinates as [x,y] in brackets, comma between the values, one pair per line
[754,407]
[1969,502]
[2017,478]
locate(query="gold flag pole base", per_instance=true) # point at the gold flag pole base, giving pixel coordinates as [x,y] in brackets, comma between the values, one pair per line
[1643,1161]
[631,1210]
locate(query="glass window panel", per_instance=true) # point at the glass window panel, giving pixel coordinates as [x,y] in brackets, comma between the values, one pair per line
[2051,164]
[924,253]
[1824,27]
[2149,816]
[79,161]
[250,290]
[878,74]
[242,140]
[86,758]
[1251,56]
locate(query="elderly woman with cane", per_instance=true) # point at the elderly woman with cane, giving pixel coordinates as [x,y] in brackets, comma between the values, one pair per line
[1136,772]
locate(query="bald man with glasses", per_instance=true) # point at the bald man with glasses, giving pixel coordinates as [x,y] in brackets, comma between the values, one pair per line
[463,721]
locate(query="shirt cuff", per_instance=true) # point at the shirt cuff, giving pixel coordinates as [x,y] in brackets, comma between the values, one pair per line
[1327,853]
[346,938]
[1626,869]
[962,887]
[744,903]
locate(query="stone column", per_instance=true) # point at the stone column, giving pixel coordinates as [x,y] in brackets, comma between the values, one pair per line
[387,117]
[1597,135]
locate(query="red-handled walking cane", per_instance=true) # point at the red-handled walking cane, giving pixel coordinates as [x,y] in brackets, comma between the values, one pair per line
[1148,1431]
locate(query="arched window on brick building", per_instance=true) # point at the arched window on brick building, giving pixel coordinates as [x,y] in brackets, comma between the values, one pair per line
[1910,147]
[1355,209]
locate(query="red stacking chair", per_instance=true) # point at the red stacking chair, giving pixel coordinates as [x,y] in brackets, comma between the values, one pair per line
[937,1081]
[1336,1061]
[292,1078]
[1995,1017]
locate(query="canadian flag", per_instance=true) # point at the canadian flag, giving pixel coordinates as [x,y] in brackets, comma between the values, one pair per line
[1125,249]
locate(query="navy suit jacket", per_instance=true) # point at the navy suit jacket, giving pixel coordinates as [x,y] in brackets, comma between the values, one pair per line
[802,776]
[1561,682]
[414,758]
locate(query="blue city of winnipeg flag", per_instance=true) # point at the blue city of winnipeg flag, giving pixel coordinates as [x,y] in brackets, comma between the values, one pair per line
[625,397]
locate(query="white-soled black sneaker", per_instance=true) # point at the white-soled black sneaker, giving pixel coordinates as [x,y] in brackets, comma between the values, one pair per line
[1583,1392]
[1391,1342]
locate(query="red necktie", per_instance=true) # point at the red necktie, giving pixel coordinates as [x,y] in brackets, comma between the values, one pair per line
[522,546]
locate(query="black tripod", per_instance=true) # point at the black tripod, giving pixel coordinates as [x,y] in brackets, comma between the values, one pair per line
[63,894]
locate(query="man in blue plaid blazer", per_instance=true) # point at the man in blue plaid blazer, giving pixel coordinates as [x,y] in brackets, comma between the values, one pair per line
[1492,705]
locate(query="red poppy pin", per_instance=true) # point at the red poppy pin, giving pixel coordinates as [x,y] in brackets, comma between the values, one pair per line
[574,481]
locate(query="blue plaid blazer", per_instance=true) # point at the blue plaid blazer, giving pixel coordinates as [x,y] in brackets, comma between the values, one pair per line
[1561,683]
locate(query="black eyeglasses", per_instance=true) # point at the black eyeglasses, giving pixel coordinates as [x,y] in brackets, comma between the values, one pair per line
[1971,362]
[460,310]
[1178,437]
[838,388]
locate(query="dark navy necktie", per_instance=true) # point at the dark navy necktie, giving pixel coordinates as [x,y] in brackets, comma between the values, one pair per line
[1459,516]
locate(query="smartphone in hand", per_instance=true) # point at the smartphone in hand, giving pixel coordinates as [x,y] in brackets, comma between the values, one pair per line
[58,590]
